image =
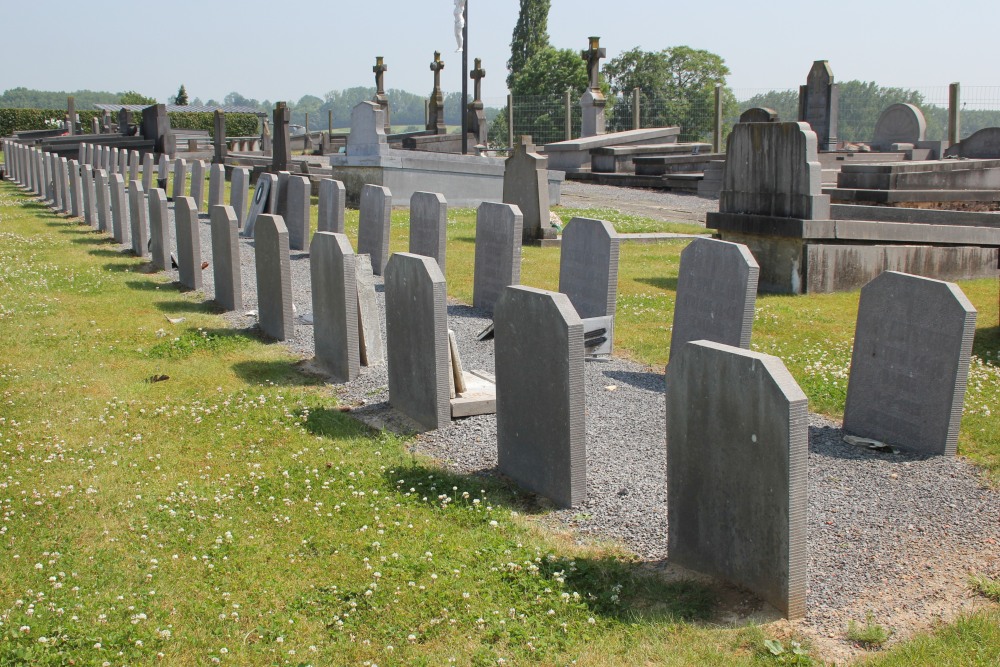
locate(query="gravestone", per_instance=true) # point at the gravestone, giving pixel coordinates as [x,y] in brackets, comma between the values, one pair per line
[737,448]
[984,144]
[526,185]
[147,172]
[156,128]
[282,148]
[107,161]
[333,272]
[123,162]
[180,178]
[416,330]
[159,231]
[759,115]
[367,135]
[297,217]
[899,124]
[588,267]
[435,106]
[198,183]
[274,277]
[219,141]
[277,200]
[95,125]
[238,191]
[593,101]
[428,226]
[124,121]
[261,195]
[476,114]
[137,217]
[716,294]
[133,166]
[103,200]
[910,363]
[369,327]
[71,115]
[188,243]
[89,198]
[498,252]
[113,163]
[819,100]
[64,183]
[162,171]
[332,197]
[75,189]
[541,427]
[226,257]
[216,186]
[57,178]
[119,209]
[380,68]
[373,225]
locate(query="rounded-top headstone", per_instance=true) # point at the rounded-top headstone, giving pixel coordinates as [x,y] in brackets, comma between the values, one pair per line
[899,124]
[759,115]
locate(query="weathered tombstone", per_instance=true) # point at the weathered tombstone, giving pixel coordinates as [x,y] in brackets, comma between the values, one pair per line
[95,125]
[71,115]
[238,191]
[498,252]
[335,305]
[277,200]
[124,121]
[188,243]
[416,330]
[123,162]
[367,135]
[180,178]
[75,189]
[198,183]
[282,148]
[162,172]
[219,141]
[57,178]
[106,160]
[759,115]
[147,172]
[984,144]
[64,183]
[435,106]
[593,101]
[113,162]
[297,216]
[716,294]
[226,257]
[899,124]
[89,198]
[274,277]
[737,448]
[429,226]
[261,196]
[526,185]
[373,225]
[910,363]
[819,101]
[380,68]
[137,215]
[156,128]
[588,267]
[133,166]
[103,200]
[541,428]
[369,327]
[216,186]
[332,197]
[476,113]
[159,232]
[119,209]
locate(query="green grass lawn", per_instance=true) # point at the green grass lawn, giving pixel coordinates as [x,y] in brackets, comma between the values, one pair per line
[231,513]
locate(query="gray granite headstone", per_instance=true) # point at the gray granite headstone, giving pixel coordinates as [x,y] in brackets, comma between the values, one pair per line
[259,205]
[759,115]
[123,161]
[159,231]
[335,305]
[429,226]
[985,144]
[180,178]
[103,200]
[899,124]
[89,197]
[737,449]
[67,194]
[369,318]
[75,189]
[716,294]
[416,330]
[298,191]
[541,423]
[188,243]
[133,166]
[526,185]
[367,135]
[238,192]
[498,252]
[819,101]
[373,225]
[588,267]
[274,277]
[332,197]
[216,186]
[147,172]
[113,162]
[57,182]
[119,210]
[137,217]
[910,363]
[226,258]
[198,183]
[162,172]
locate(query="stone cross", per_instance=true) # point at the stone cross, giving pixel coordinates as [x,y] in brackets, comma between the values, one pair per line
[380,69]
[435,114]
[593,57]
[475,114]
[436,67]
[477,74]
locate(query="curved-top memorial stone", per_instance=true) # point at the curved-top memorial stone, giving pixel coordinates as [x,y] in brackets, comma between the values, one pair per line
[759,115]
[899,124]
[983,144]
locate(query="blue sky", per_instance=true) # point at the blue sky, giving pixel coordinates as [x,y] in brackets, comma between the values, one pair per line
[267,50]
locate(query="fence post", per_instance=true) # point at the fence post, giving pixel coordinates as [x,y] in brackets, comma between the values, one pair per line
[569,115]
[510,121]
[954,117]
[636,116]
[717,134]
[329,121]
[427,112]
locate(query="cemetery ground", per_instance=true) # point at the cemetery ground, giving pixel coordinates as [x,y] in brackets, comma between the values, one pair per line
[178,491]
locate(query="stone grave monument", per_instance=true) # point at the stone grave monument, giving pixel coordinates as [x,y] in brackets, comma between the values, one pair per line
[335,305]
[593,100]
[188,243]
[819,101]
[525,185]
[435,109]
[332,199]
[429,226]
[274,277]
[498,252]
[374,224]
[899,127]
[226,257]
[381,99]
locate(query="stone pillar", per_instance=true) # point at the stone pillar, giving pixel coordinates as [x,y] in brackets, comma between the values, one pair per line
[282,149]
[954,113]
[219,138]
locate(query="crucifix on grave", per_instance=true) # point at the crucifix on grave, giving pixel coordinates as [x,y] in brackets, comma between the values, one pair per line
[435,109]
[593,100]
[381,98]
[476,116]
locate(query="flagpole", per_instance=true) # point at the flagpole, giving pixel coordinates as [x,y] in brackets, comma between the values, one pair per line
[465,78]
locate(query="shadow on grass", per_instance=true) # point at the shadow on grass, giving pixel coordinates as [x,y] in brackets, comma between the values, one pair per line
[181,306]
[987,341]
[465,239]
[662,282]
[94,238]
[333,423]
[287,373]
[150,285]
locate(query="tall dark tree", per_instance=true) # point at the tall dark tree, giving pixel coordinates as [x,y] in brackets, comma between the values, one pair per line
[182,96]
[530,35]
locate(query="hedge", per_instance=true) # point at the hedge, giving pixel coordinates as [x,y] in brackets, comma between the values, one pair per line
[20,120]
[237,124]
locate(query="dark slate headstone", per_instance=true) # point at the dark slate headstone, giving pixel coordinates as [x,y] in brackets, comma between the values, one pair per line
[180,178]
[983,144]
[899,124]
[588,267]
[541,427]
[332,197]
[156,127]
[297,217]
[498,252]
[910,363]
[137,219]
[219,141]
[103,200]
[119,210]
[335,305]
[737,449]
[416,330]
[819,100]
[188,243]
[526,185]
[238,192]
[226,258]
[261,196]
[159,231]
[429,226]
[274,277]
[282,148]
[198,183]
[162,172]
[716,293]
[373,225]
[759,115]
[216,186]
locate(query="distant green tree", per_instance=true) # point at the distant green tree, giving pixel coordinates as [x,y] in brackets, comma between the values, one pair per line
[784,102]
[181,99]
[551,72]
[132,97]
[862,102]
[235,99]
[530,36]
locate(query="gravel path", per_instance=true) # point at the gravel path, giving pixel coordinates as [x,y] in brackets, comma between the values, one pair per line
[892,534]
